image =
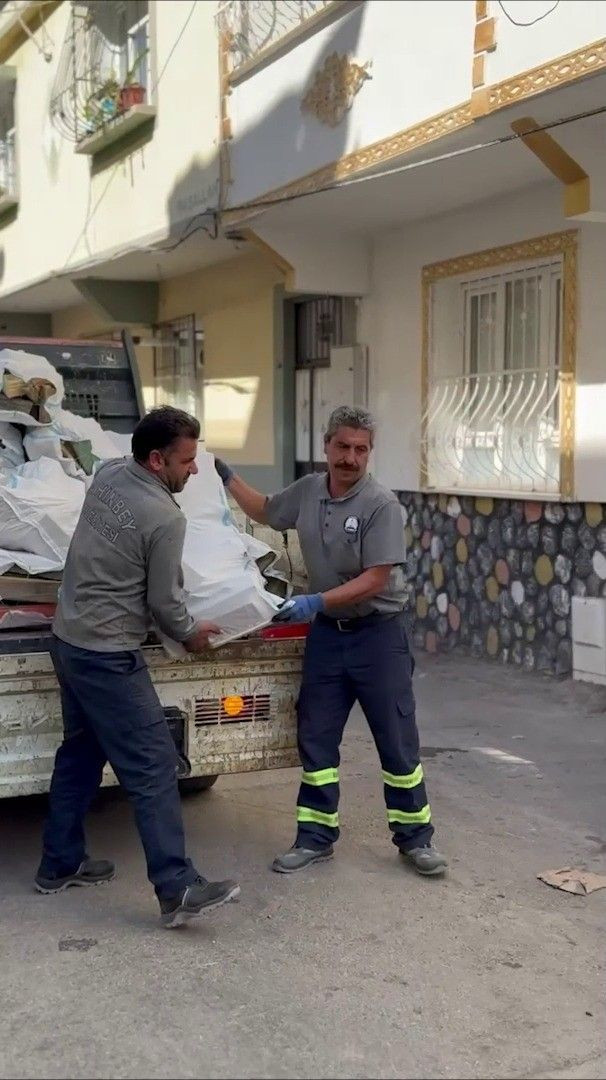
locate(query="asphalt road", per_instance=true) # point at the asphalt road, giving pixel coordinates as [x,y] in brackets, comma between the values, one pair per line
[358,968]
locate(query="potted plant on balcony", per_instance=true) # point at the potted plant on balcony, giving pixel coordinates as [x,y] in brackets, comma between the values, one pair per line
[102,104]
[132,92]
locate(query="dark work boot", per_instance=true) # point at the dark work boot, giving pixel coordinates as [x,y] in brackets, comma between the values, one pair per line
[426,860]
[298,858]
[195,899]
[90,872]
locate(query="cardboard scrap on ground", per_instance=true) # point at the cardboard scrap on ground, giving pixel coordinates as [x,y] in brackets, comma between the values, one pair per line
[571,879]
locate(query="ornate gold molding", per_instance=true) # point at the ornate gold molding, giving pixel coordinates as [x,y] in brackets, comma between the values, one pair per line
[334,88]
[565,69]
[562,243]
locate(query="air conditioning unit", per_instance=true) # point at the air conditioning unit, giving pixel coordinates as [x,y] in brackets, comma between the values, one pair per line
[589,639]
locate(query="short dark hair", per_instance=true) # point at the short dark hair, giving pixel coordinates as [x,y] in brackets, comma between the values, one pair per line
[160,429]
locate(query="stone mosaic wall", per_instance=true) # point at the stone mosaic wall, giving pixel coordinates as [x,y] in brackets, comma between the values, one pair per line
[496,577]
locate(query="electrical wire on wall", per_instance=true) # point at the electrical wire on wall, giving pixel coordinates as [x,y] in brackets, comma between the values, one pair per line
[532,22]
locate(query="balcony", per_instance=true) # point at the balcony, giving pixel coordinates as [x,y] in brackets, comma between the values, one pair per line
[253,29]
[102,91]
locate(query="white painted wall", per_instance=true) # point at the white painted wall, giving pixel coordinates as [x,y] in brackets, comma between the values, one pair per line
[421,56]
[391,326]
[570,26]
[322,262]
[67,214]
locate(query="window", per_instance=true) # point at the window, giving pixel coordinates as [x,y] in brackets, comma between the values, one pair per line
[175,370]
[103,87]
[493,410]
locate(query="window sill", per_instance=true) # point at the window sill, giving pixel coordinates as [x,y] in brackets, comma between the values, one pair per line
[116,129]
[496,493]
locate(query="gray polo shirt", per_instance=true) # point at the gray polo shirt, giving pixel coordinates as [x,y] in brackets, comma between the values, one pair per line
[342,537]
[123,570]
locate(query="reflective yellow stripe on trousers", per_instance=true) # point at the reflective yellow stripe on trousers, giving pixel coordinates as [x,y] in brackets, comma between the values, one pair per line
[406,780]
[414,817]
[305,814]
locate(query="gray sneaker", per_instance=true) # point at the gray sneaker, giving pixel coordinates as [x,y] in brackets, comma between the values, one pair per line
[426,860]
[298,858]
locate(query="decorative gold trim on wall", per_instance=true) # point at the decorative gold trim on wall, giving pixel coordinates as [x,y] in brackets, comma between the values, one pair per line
[334,88]
[485,36]
[484,41]
[562,243]
[564,69]
[225,129]
[486,99]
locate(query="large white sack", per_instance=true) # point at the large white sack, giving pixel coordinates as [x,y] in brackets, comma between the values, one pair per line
[72,428]
[11,447]
[39,509]
[222,581]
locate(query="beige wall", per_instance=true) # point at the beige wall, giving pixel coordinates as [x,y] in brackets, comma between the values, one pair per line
[234,304]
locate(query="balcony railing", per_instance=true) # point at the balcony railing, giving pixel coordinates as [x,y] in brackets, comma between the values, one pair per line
[252,26]
[8,170]
[103,73]
[496,432]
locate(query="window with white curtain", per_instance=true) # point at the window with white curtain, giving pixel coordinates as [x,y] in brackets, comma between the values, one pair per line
[492,420]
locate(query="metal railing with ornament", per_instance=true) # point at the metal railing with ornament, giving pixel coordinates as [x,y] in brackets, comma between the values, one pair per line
[497,432]
[248,27]
[103,71]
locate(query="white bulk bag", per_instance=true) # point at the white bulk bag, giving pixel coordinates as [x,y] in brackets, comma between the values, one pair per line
[223,583]
[28,366]
[72,428]
[11,447]
[39,510]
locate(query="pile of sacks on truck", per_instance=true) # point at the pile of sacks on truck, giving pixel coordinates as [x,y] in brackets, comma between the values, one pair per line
[48,457]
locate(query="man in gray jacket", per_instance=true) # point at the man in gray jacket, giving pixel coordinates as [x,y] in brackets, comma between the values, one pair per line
[123,573]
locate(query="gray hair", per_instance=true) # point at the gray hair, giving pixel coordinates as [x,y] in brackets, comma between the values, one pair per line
[352,417]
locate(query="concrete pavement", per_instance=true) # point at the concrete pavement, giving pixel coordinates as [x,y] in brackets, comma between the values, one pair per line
[358,968]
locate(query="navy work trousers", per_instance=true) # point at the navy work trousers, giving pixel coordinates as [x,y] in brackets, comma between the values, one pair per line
[111,712]
[373,665]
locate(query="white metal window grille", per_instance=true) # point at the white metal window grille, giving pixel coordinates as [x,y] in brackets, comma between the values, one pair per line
[492,420]
[253,25]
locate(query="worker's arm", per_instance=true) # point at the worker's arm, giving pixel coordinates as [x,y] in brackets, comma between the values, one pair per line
[279,511]
[165,596]
[369,583]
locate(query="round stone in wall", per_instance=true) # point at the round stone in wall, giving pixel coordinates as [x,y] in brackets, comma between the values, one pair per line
[502,508]
[563,568]
[422,607]
[599,564]
[505,632]
[586,536]
[492,641]
[574,512]
[542,601]
[513,561]
[554,513]
[533,534]
[593,585]
[527,612]
[485,556]
[463,525]
[429,591]
[442,627]
[532,588]
[561,627]
[416,524]
[533,511]
[517,652]
[568,540]
[432,615]
[531,633]
[517,511]
[437,573]
[501,570]
[467,505]
[479,527]
[593,514]
[508,530]
[426,540]
[601,538]
[438,523]
[506,604]
[461,550]
[450,534]
[493,534]
[485,506]
[583,563]
[436,547]
[543,569]
[527,563]
[432,501]
[549,539]
[462,578]
[564,658]
[521,536]
[473,567]
[492,589]
[449,563]
[427,517]
[560,600]
[454,617]
[442,603]
[517,592]
[453,507]
[477,588]
[528,660]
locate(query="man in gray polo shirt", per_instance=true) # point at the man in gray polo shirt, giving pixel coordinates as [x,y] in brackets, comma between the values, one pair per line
[352,541]
[123,573]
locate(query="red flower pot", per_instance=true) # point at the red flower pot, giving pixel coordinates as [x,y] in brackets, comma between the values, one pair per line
[134,94]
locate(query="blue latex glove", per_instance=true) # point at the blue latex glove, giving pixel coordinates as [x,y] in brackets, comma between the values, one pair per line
[300,609]
[223,470]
